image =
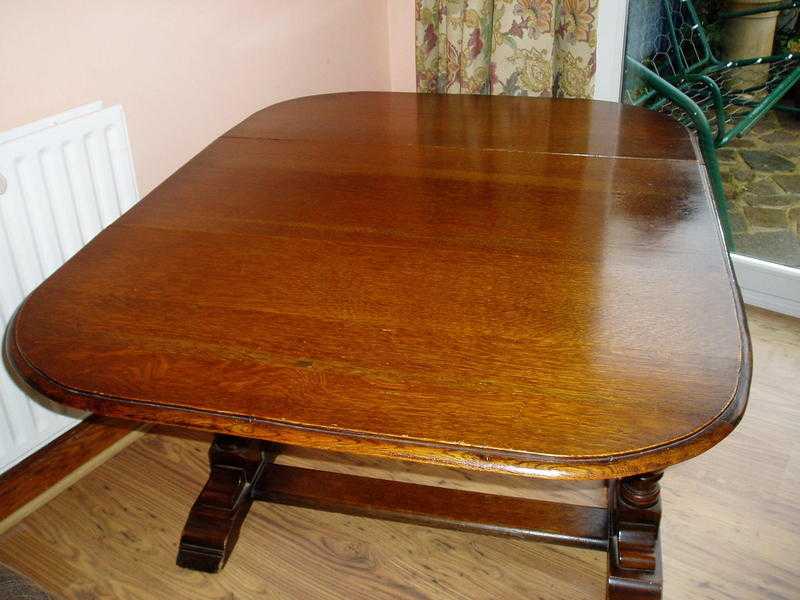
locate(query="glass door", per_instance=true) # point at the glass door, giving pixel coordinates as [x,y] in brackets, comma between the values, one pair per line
[760,169]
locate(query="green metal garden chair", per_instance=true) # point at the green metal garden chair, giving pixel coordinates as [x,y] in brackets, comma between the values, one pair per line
[675,71]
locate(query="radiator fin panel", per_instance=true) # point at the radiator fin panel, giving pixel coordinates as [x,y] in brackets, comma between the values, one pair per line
[67,178]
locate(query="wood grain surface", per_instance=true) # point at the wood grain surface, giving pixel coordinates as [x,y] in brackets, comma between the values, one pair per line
[731,523]
[435,506]
[506,284]
[49,465]
[127,533]
[470,121]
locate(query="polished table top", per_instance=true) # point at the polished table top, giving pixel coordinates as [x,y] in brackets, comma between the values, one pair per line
[530,286]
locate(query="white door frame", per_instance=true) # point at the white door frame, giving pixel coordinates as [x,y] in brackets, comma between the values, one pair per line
[612,21]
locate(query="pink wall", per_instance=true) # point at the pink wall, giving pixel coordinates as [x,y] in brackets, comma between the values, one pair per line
[186,70]
[402,67]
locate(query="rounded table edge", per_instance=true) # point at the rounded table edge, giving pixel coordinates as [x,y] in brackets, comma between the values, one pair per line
[612,466]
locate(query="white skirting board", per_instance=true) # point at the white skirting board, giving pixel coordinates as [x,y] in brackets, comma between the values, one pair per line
[768,285]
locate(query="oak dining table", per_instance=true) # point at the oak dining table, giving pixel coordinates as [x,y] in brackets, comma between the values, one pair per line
[528,286]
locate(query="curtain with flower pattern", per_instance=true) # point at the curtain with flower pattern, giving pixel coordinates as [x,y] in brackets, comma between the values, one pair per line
[515,47]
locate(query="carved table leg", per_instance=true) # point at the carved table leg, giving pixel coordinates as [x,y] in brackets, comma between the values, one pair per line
[634,550]
[213,525]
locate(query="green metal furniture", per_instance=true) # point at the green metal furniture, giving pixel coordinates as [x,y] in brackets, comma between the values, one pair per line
[675,71]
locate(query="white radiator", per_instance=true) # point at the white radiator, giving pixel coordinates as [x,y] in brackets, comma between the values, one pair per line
[62,180]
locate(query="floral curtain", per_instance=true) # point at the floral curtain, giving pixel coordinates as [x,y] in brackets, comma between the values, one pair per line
[516,47]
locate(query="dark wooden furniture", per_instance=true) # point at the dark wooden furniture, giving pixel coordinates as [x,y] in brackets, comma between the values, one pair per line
[533,287]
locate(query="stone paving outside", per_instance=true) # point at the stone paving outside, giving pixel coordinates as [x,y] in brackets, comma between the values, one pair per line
[761,172]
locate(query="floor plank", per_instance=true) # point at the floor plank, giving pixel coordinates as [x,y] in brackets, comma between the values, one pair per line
[731,526]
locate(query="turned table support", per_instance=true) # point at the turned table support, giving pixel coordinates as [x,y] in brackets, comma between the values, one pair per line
[214,521]
[628,529]
[634,550]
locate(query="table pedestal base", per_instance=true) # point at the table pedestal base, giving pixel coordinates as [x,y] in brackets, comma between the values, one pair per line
[242,470]
[213,525]
[634,551]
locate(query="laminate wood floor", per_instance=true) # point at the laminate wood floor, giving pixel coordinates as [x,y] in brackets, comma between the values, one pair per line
[731,527]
